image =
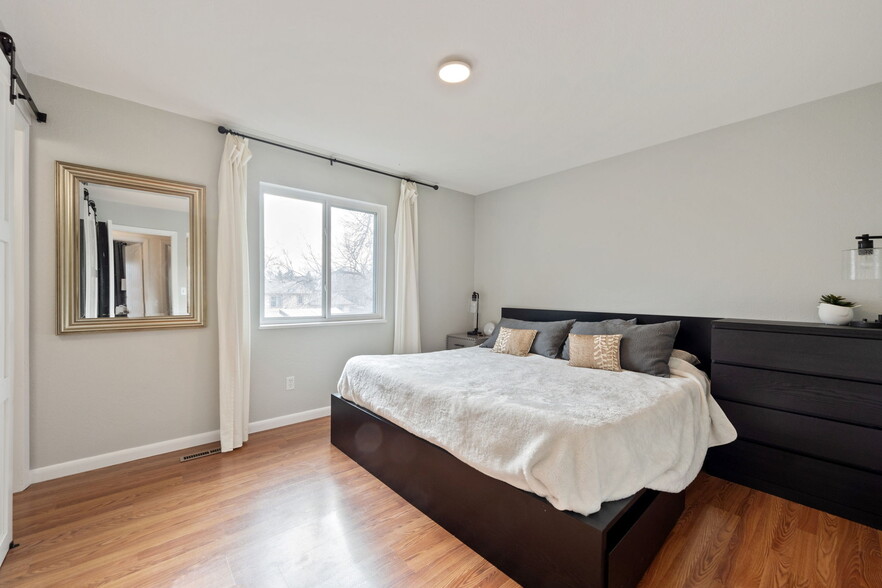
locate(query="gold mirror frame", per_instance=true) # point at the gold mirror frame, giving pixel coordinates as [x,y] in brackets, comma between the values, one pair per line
[68,178]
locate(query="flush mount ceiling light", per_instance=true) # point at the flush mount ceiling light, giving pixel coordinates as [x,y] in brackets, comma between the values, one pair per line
[454,72]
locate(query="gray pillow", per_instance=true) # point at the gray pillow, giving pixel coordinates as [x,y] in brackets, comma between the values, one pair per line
[550,335]
[647,348]
[596,328]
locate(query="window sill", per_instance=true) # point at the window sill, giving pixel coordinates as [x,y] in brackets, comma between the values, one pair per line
[270,326]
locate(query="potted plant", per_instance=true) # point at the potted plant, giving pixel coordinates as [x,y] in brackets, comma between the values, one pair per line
[835,310]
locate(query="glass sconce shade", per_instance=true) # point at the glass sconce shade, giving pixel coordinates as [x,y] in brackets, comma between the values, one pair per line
[862,264]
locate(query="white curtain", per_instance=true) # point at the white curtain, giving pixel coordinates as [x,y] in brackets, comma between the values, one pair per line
[134,260]
[111,270]
[407,296]
[233,302]
[90,260]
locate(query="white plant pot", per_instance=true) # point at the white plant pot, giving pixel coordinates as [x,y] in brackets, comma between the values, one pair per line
[830,314]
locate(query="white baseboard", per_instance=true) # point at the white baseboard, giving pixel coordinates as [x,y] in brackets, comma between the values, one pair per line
[289,419]
[78,466]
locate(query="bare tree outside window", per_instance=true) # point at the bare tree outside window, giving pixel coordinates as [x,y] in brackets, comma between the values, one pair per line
[352,261]
[292,270]
[297,234]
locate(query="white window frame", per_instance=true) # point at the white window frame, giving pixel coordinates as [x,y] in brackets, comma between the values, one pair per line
[328,201]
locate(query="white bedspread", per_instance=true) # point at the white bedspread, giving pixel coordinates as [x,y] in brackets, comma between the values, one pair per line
[576,436]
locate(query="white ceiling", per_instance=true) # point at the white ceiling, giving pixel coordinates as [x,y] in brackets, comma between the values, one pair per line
[555,84]
[105,193]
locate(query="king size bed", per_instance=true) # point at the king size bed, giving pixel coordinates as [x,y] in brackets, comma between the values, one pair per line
[558,475]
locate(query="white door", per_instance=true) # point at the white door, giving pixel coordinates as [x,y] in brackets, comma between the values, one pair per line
[21,446]
[7,125]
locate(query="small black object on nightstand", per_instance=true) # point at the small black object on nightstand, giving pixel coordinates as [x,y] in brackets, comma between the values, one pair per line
[865,324]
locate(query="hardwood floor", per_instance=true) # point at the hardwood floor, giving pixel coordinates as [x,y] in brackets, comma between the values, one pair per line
[290,510]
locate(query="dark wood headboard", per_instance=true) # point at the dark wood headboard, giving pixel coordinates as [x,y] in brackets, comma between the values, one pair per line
[694,335]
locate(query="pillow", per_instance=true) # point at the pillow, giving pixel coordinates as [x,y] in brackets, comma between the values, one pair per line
[600,352]
[647,348]
[549,334]
[595,328]
[514,341]
[685,356]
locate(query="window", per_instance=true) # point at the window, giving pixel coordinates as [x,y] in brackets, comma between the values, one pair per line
[323,257]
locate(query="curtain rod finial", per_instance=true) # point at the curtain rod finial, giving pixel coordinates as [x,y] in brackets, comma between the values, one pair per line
[223,130]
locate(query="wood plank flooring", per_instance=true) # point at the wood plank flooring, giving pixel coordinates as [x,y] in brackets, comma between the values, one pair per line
[290,510]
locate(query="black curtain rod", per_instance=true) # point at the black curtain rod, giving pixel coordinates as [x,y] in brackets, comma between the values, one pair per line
[8,46]
[333,160]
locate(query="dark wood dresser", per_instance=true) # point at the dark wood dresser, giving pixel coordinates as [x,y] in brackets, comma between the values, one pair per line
[806,400]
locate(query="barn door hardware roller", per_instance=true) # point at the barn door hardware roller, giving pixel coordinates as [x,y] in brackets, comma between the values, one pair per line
[8,46]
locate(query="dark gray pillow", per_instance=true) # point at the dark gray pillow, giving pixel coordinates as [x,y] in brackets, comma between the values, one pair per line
[550,335]
[647,348]
[595,328]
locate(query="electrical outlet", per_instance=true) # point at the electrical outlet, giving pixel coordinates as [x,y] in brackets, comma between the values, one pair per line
[289,383]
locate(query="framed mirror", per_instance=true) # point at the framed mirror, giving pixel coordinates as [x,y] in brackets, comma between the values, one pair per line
[130,251]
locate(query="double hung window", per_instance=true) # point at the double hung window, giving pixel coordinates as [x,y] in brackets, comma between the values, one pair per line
[322,257]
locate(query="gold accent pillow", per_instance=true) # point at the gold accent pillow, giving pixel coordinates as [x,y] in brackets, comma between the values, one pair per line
[515,341]
[599,352]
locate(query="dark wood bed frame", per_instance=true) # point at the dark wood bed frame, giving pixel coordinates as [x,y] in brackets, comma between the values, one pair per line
[517,531]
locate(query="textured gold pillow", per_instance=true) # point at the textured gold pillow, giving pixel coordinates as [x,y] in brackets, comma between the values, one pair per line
[514,341]
[599,352]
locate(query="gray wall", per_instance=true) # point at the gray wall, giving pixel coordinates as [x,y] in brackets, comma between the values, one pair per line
[315,355]
[96,393]
[744,221]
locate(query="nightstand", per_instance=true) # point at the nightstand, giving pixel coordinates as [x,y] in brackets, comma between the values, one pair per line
[459,340]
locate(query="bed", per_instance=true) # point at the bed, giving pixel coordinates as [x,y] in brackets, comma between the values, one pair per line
[520,532]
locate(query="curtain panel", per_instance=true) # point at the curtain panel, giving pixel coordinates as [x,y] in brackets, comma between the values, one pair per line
[407,299]
[233,297]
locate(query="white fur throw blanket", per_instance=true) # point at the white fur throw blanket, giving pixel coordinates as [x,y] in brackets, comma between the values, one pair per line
[576,436]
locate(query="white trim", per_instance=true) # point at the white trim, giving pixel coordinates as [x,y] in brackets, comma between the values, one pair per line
[289,419]
[78,466]
[321,324]
[175,302]
[85,464]
[8,319]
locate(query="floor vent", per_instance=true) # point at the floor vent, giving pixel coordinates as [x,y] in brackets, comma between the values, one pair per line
[201,454]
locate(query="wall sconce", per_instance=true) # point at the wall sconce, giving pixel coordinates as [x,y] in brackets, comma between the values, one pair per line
[863,263]
[473,307]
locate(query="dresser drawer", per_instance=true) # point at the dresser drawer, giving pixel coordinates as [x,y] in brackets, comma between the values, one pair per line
[854,402]
[840,357]
[843,443]
[835,488]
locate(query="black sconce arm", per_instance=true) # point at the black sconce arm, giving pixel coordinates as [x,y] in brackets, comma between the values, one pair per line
[865,242]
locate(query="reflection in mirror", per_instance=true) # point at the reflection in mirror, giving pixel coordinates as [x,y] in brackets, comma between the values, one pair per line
[137,265]
[130,251]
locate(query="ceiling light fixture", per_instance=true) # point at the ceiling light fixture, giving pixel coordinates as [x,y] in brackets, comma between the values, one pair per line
[454,72]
